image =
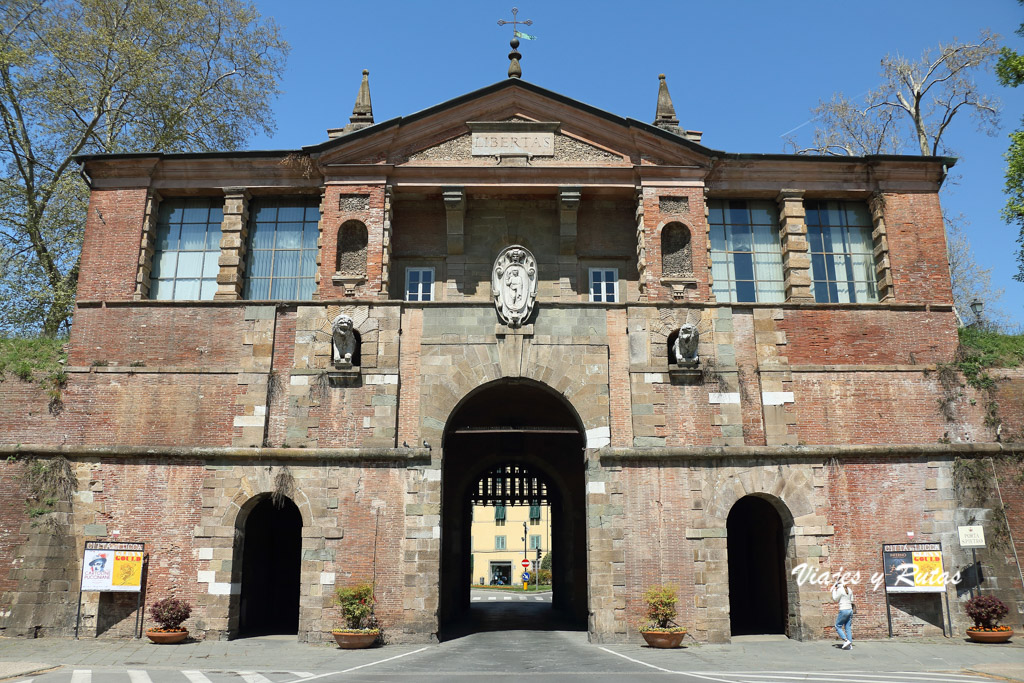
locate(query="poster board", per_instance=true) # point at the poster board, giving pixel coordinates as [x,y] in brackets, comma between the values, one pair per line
[913,568]
[112,567]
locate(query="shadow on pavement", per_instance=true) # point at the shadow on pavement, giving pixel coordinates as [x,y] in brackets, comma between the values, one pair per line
[510,616]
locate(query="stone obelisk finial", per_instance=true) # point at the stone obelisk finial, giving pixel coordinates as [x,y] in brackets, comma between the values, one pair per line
[362,112]
[514,70]
[665,117]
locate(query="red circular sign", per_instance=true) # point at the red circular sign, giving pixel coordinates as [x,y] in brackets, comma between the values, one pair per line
[525,563]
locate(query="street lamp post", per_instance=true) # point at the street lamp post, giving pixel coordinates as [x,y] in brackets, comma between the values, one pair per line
[977,307]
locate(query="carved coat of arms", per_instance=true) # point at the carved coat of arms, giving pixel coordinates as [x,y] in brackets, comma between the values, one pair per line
[514,284]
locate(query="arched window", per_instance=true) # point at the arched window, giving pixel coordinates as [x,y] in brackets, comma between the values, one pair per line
[676,253]
[352,239]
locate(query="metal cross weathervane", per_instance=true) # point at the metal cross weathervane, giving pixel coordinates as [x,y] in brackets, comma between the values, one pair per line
[514,70]
[514,22]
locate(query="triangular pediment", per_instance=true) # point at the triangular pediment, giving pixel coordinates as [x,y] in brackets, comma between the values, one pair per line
[578,134]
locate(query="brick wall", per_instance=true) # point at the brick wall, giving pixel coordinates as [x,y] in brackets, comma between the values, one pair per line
[337,208]
[159,335]
[113,409]
[867,407]
[868,337]
[110,252]
[872,502]
[917,248]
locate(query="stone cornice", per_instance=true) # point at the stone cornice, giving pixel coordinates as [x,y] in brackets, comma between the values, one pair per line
[614,456]
[333,455]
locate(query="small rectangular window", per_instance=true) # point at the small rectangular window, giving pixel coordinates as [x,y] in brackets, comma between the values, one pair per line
[185,261]
[419,284]
[842,252]
[499,512]
[499,543]
[746,252]
[604,284]
[534,542]
[534,512]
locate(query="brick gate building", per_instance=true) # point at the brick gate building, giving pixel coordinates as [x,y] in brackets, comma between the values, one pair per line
[715,368]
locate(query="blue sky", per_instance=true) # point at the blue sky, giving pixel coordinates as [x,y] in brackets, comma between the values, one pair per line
[744,73]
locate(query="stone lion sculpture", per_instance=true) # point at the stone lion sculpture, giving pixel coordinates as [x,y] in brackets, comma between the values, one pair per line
[686,346]
[344,336]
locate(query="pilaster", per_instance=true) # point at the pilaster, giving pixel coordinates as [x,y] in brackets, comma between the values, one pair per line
[880,241]
[796,261]
[234,232]
[455,208]
[641,244]
[385,257]
[147,248]
[568,210]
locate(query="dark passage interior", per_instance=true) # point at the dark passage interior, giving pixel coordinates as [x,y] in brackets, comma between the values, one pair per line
[757,579]
[513,442]
[271,556]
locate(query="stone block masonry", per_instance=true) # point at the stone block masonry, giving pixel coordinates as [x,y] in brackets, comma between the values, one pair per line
[181,418]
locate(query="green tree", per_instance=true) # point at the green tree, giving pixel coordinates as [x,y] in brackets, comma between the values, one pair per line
[1010,71]
[98,76]
[909,113]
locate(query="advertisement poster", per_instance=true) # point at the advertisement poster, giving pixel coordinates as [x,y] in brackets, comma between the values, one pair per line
[913,568]
[110,567]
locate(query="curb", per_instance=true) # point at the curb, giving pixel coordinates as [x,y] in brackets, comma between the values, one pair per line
[39,668]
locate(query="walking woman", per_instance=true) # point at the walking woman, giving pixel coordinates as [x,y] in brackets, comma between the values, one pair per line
[842,594]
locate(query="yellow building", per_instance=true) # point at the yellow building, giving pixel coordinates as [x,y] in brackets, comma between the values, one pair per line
[503,535]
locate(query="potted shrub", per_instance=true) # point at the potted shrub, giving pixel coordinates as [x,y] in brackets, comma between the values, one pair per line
[661,630]
[986,611]
[356,604]
[169,613]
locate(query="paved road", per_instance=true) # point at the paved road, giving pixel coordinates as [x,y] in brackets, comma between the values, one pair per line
[505,641]
[497,656]
[509,596]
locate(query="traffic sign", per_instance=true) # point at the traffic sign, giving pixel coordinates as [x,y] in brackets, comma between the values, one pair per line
[525,563]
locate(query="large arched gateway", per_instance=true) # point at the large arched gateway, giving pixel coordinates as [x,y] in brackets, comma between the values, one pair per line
[514,442]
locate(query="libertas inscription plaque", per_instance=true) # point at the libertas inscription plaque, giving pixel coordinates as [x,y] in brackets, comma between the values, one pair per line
[503,138]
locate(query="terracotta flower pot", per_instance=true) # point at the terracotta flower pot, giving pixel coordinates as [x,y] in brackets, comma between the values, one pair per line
[355,640]
[979,636]
[167,637]
[664,639]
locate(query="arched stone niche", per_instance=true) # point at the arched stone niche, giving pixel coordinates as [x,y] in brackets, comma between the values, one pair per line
[676,251]
[350,267]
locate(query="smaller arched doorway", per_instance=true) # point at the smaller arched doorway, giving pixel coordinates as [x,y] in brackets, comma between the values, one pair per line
[757,536]
[271,552]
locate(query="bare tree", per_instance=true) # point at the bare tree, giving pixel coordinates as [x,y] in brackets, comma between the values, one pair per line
[970,280]
[910,112]
[914,105]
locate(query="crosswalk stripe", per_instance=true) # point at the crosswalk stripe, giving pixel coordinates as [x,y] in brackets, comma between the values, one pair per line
[81,676]
[137,676]
[539,599]
[253,677]
[508,597]
[196,677]
[492,598]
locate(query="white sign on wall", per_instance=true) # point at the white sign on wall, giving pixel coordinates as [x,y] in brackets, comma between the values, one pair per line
[971,536]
